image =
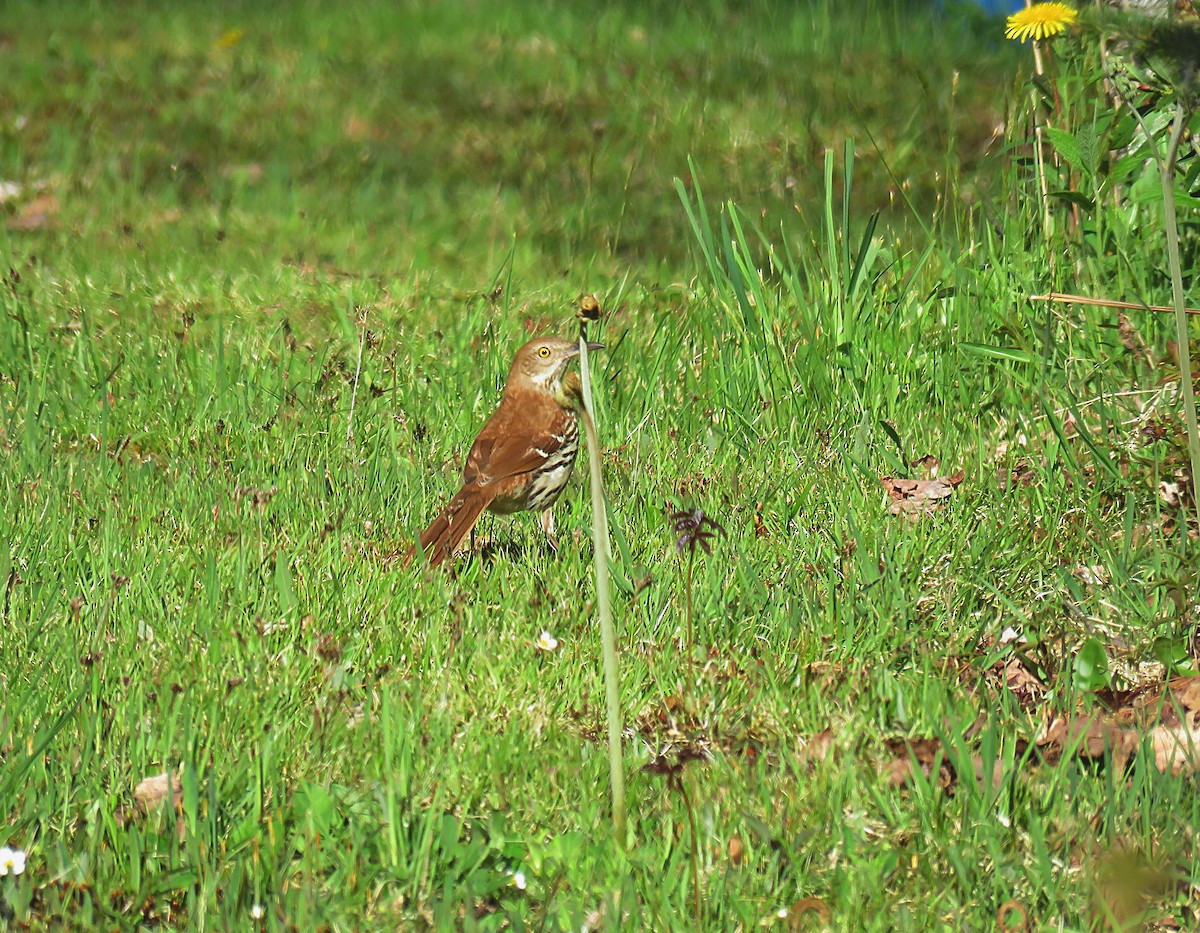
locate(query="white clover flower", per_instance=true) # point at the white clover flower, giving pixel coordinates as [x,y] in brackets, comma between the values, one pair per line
[519,880]
[12,861]
[257,912]
[547,642]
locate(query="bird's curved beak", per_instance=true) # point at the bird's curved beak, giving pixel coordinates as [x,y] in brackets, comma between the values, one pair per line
[592,345]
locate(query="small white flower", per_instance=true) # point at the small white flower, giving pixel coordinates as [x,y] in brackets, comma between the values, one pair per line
[257,912]
[782,913]
[519,880]
[12,861]
[547,642]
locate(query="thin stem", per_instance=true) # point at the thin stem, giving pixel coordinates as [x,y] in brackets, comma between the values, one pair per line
[687,804]
[1065,298]
[362,339]
[1167,169]
[1039,159]
[691,631]
[603,551]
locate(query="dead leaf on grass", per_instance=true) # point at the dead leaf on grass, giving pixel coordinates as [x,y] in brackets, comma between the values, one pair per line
[1088,737]
[1024,685]
[816,749]
[1021,474]
[38,214]
[1177,491]
[927,754]
[152,791]
[913,498]
[1176,749]
[150,795]
[1092,574]
[1174,702]
[1168,715]
[930,753]
[1185,694]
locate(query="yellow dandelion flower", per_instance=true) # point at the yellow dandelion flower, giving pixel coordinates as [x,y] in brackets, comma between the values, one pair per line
[1040,21]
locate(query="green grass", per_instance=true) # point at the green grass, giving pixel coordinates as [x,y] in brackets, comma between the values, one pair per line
[280,294]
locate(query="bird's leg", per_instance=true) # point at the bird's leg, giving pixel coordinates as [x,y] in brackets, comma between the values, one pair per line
[547,523]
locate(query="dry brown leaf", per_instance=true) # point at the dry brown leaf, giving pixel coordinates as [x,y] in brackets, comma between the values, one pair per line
[1024,685]
[817,748]
[913,498]
[987,778]
[152,791]
[1185,691]
[1176,750]
[38,214]
[1089,737]
[150,795]
[1170,704]
[1169,715]
[927,753]
[1091,574]
[1021,474]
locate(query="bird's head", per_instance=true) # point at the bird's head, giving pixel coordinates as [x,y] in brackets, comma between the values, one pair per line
[540,364]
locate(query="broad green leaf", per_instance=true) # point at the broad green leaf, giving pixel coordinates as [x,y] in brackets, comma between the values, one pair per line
[1066,146]
[1089,148]
[1091,665]
[1173,655]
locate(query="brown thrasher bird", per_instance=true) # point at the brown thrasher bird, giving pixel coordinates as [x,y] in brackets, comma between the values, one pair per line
[522,457]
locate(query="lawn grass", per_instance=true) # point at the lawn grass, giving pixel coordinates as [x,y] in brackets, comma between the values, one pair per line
[289,257]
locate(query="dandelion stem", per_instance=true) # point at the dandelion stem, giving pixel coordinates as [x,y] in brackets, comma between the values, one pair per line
[602,550]
[1039,145]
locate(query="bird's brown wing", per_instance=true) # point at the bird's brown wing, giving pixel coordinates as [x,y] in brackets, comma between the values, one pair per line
[510,446]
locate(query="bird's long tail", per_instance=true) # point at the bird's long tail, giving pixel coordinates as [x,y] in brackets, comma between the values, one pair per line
[453,523]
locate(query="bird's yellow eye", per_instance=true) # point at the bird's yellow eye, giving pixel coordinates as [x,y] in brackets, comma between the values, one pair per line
[543,352]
